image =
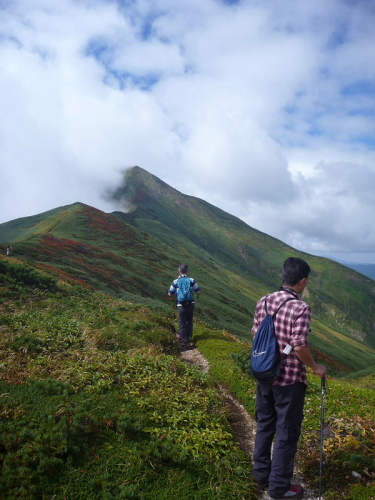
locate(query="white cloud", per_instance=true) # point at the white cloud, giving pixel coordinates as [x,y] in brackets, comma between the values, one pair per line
[333,212]
[265,109]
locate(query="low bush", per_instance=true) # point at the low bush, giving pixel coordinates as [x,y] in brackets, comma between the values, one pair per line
[22,275]
[94,403]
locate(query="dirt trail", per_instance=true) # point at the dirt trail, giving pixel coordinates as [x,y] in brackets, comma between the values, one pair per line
[242,423]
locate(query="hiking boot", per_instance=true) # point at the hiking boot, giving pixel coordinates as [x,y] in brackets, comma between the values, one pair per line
[295,492]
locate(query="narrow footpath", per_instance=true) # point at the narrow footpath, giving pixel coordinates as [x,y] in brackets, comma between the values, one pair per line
[243,425]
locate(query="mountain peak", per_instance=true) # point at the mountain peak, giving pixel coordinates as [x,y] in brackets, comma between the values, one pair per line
[139,176]
[140,188]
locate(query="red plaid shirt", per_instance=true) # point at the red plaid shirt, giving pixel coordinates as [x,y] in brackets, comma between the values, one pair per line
[292,324]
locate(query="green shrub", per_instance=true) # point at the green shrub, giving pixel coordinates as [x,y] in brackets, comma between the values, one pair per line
[26,342]
[22,275]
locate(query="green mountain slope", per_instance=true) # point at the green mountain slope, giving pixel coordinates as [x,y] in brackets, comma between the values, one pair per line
[134,255]
[95,402]
[83,243]
[25,227]
[342,300]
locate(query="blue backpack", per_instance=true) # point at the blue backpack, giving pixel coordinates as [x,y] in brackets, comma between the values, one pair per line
[265,359]
[184,292]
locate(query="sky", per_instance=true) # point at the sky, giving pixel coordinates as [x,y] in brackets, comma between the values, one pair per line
[264,108]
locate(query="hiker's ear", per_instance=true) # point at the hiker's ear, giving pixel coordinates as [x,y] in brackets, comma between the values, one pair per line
[303,283]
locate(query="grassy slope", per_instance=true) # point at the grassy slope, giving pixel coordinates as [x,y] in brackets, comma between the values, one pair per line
[94,248]
[248,263]
[88,379]
[23,228]
[135,255]
[96,404]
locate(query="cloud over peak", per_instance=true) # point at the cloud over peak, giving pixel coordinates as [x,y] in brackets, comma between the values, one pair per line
[265,109]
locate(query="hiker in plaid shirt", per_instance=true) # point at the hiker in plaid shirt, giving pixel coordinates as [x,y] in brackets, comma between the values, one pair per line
[280,404]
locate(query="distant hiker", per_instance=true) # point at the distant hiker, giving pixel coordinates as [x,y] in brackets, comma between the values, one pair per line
[183,287]
[280,404]
[9,251]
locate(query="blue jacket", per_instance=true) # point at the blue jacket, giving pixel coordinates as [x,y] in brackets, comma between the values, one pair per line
[174,286]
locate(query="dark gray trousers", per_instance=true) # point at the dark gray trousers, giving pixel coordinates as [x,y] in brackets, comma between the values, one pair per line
[280,412]
[185,321]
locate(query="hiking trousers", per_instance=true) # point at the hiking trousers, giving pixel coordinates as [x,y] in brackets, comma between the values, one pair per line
[185,321]
[280,412]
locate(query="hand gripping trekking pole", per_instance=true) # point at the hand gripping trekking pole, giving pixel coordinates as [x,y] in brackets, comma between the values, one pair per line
[323,387]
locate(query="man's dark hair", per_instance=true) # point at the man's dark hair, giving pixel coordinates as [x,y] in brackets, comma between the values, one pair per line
[183,268]
[294,270]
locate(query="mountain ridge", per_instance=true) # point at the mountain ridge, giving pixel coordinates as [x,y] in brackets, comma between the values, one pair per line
[134,255]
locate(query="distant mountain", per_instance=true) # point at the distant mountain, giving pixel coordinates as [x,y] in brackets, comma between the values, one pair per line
[135,255]
[366,269]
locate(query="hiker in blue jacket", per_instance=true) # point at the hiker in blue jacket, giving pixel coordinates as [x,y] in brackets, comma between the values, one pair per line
[183,287]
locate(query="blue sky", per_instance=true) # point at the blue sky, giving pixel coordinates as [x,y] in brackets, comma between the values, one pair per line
[265,109]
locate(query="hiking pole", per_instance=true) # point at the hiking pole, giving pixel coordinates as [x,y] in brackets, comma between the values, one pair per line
[323,387]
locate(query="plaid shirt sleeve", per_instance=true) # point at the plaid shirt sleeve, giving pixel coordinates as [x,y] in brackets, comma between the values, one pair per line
[301,325]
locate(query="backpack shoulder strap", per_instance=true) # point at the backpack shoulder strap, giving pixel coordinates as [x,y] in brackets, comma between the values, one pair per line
[265,303]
